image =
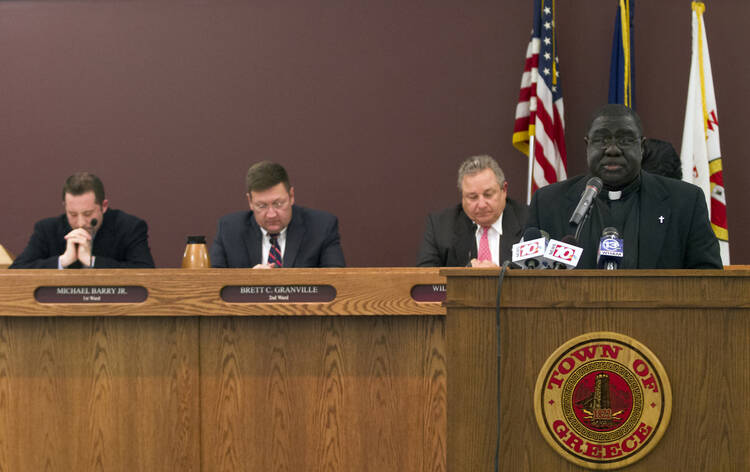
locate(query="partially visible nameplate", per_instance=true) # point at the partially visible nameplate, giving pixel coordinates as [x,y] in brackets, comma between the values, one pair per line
[278,293]
[428,293]
[91,294]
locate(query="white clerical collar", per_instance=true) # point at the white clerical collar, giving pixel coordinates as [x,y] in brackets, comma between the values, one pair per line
[615,194]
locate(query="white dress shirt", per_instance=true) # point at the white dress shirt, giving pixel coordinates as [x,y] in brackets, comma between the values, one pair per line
[493,237]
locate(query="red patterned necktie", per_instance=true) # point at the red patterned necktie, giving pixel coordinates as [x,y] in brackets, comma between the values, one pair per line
[274,255]
[484,253]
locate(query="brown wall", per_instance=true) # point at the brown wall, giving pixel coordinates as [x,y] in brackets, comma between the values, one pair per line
[370,105]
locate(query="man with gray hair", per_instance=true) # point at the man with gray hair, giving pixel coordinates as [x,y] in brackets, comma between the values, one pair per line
[482,229]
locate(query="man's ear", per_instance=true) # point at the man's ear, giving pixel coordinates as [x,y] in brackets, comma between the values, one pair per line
[105,205]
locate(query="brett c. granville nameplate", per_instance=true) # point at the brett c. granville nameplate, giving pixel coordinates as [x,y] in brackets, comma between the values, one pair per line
[278,293]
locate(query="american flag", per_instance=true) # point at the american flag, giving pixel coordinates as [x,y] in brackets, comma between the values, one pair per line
[539,113]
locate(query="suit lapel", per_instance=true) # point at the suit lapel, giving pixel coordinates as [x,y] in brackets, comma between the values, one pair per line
[103,239]
[253,239]
[655,215]
[295,234]
[464,240]
[511,231]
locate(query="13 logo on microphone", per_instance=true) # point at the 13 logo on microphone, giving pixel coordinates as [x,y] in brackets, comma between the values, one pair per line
[611,244]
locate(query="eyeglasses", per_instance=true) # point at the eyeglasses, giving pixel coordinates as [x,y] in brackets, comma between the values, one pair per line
[264,207]
[604,142]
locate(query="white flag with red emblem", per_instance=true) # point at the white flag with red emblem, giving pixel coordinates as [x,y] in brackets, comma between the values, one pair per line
[701,153]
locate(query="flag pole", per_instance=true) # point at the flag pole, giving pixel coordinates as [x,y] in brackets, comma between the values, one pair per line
[531,170]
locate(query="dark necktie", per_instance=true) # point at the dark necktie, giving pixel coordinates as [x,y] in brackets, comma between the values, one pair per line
[274,255]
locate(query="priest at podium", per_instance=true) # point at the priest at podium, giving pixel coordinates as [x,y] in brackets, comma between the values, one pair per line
[662,222]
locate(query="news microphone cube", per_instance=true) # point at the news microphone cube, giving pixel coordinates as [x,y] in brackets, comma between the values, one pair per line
[563,253]
[526,251]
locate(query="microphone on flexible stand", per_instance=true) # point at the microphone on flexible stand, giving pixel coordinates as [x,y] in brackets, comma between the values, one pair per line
[582,210]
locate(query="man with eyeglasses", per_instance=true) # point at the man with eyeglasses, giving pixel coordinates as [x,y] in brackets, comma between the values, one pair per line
[275,232]
[663,222]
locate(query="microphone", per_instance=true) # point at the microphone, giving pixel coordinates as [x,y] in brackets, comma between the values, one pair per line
[93,223]
[593,187]
[563,254]
[610,252]
[529,252]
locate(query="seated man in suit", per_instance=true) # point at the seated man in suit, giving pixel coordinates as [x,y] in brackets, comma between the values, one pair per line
[88,235]
[276,232]
[663,222]
[482,229]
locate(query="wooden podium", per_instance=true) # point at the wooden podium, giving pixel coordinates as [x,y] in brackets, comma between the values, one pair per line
[696,322]
[187,381]
[371,380]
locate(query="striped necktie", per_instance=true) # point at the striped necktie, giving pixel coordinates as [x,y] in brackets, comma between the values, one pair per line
[274,255]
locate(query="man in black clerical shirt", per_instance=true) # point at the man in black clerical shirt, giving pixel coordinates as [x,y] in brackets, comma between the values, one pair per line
[663,222]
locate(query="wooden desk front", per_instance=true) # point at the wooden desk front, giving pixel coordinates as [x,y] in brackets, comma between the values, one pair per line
[186,382]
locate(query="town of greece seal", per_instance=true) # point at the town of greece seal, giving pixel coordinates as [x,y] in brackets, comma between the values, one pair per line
[603,400]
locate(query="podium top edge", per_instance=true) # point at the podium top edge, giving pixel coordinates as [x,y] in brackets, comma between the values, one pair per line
[489,272]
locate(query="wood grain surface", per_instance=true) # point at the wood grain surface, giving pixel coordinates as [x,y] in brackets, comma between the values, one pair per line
[91,394]
[696,322]
[186,382]
[333,394]
[195,292]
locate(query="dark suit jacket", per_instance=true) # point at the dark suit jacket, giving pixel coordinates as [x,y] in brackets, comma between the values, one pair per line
[684,240]
[120,242]
[312,240]
[450,236]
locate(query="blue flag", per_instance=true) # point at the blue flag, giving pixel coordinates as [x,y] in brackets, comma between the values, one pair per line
[622,68]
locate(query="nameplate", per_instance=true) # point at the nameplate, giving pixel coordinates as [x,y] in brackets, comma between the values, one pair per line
[428,293]
[278,293]
[91,294]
